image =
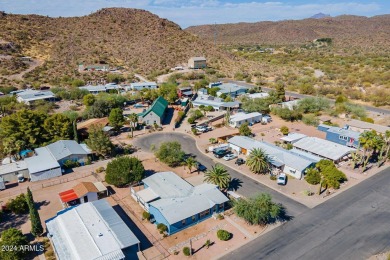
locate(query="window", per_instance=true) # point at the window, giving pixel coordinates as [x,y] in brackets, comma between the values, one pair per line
[183,222]
[204,213]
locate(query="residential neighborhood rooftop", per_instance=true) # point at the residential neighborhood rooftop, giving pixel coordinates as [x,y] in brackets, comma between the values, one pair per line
[258,95]
[243,116]
[32,95]
[141,84]
[13,167]
[158,107]
[367,126]
[291,137]
[42,161]
[64,148]
[90,231]
[323,148]
[101,88]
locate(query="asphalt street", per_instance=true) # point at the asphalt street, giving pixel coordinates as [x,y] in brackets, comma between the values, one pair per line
[297,95]
[248,186]
[353,225]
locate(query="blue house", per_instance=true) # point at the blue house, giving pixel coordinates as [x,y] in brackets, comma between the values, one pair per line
[176,203]
[341,136]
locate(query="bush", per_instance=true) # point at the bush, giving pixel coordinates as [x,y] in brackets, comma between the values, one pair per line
[191,120]
[18,205]
[310,120]
[100,169]
[223,235]
[146,215]
[170,153]
[162,228]
[273,177]
[186,251]
[68,164]
[284,130]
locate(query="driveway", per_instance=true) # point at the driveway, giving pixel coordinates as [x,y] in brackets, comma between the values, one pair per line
[247,186]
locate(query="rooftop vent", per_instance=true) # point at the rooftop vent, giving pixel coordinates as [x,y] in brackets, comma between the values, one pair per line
[100,235]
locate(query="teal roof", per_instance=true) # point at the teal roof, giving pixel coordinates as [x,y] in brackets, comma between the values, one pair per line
[158,107]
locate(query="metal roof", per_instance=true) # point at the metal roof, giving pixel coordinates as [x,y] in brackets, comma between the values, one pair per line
[230,87]
[244,116]
[13,167]
[158,107]
[278,155]
[203,100]
[101,88]
[90,231]
[323,148]
[258,95]
[198,58]
[31,95]
[344,132]
[42,161]
[367,126]
[176,195]
[142,84]
[64,148]
[292,137]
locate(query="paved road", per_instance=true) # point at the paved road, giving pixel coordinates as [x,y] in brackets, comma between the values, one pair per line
[297,95]
[249,186]
[352,225]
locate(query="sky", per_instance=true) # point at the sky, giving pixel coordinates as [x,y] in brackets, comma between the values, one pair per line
[196,12]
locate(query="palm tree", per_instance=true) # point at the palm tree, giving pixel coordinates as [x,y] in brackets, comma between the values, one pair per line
[258,161]
[370,143]
[133,120]
[219,176]
[190,163]
[384,152]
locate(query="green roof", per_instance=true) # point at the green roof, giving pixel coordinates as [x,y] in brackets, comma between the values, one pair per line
[158,107]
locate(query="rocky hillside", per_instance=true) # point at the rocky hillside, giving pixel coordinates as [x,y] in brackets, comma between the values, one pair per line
[346,31]
[136,39]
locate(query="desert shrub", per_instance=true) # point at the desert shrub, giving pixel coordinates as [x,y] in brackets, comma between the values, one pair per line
[310,120]
[284,130]
[273,177]
[100,169]
[162,228]
[18,205]
[186,251]
[146,215]
[313,176]
[223,235]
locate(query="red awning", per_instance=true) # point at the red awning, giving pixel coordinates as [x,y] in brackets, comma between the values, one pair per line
[68,195]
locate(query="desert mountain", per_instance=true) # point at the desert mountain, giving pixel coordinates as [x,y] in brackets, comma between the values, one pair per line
[135,39]
[346,31]
[320,15]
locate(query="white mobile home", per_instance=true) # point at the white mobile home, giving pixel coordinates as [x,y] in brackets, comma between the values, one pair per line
[142,85]
[240,118]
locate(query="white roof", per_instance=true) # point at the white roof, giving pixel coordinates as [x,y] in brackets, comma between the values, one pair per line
[278,155]
[31,95]
[229,88]
[102,88]
[13,167]
[258,95]
[244,116]
[142,84]
[147,195]
[90,231]
[100,186]
[43,161]
[367,126]
[176,195]
[292,137]
[204,100]
[65,148]
[323,148]
[198,58]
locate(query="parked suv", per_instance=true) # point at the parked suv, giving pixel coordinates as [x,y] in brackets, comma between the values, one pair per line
[220,153]
[282,179]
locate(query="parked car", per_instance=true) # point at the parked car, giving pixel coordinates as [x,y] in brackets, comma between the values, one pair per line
[209,128]
[239,161]
[282,179]
[229,157]
[200,167]
[201,129]
[220,153]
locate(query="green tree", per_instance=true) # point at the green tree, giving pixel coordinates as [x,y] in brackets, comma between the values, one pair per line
[18,205]
[256,105]
[57,127]
[259,210]
[12,238]
[331,177]
[75,133]
[280,91]
[371,143]
[89,99]
[213,91]
[190,163]
[133,120]
[313,176]
[36,225]
[124,170]
[170,153]
[98,141]
[245,130]
[284,130]
[115,78]
[258,161]
[219,176]
[77,83]
[21,130]
[313,104]
[116,118]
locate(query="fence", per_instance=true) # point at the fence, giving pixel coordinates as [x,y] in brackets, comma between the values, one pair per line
[34,187]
